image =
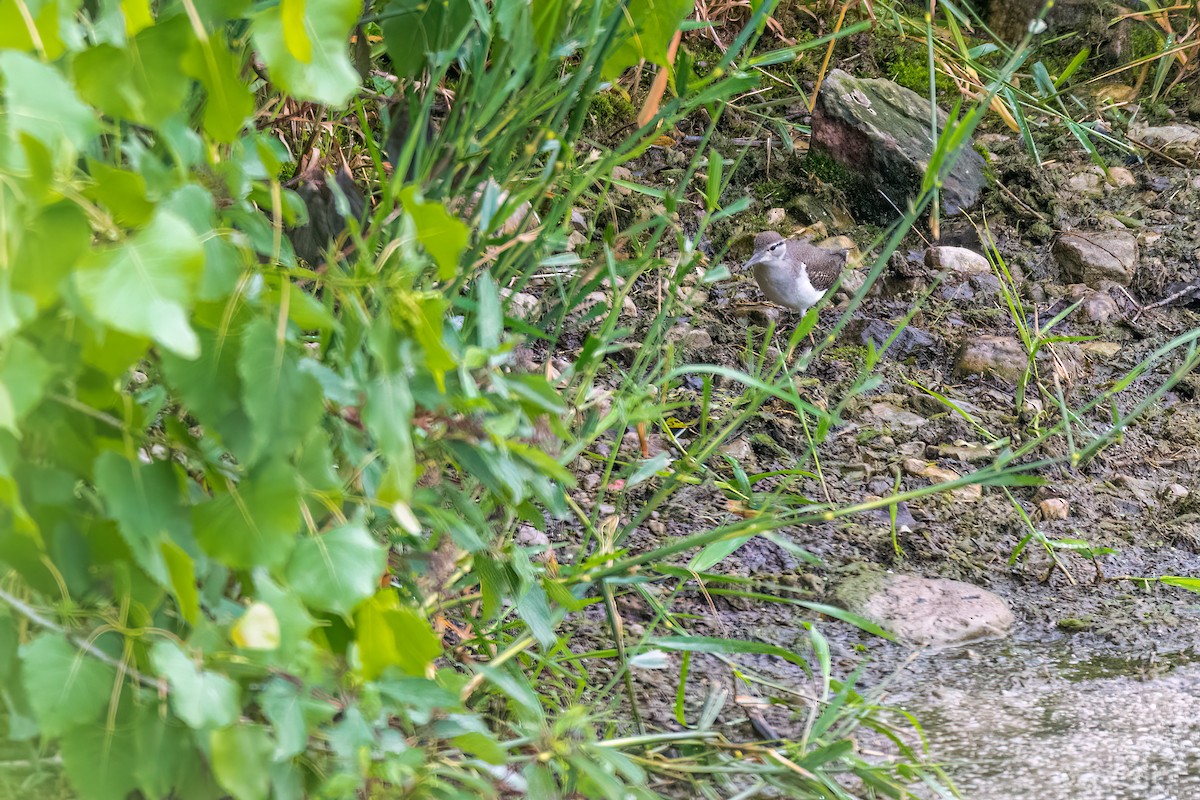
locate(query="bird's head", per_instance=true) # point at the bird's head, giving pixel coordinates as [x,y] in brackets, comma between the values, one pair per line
[769,248]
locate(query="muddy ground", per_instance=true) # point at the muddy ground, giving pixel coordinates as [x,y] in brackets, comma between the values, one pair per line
[1139,497]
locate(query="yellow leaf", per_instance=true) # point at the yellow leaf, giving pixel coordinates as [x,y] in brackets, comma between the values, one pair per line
[257,629]
[294,35]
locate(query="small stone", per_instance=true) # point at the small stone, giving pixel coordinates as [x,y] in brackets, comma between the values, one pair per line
[1181,142]
[689,339]
[738,449]
[529,536]
[1097,256]
[1085,184]
[879,131]
[575,239]
[911,449]
[1001,356]
[1095,306]
[591,482]
[852,282]
[877,331]
[1114,92]
[692,297]
[913,466]
[963,451]
[1176,491]
[1054,508]
[985,285]
[623,174]
[776,217]
[958,260]
[1100,350]
[521,305]
[1121,177]
[841,243]
[892,417]
[656,527]
[578,220]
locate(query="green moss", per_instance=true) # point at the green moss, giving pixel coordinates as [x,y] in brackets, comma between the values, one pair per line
[854,353]
[611,109]
[908,65]
[1144,41]
[827,170]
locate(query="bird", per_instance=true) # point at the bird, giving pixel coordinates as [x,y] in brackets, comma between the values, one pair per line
[794,273]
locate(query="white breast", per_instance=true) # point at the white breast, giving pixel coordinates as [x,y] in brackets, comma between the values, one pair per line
[806,292]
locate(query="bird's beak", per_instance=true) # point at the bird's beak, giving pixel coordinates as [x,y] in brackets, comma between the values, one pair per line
[754,259]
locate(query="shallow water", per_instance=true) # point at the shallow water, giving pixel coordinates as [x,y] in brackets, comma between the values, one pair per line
[1010,721]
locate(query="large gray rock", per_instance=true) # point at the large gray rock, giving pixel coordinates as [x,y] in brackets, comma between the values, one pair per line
[879,131]
[1001,356]
[1095,257]
[937,612]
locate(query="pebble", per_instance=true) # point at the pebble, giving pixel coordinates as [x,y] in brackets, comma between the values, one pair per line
[1054,508]
[1096,306]
[892,417]
[1121,177]
[521,305]
[1176,491]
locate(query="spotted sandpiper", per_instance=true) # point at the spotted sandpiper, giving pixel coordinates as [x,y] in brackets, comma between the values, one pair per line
[794,273]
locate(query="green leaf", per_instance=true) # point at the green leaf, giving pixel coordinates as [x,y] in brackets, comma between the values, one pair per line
[166,756]
[200,698]
[24,375]
[101,763]
[255,524]
[144,500]
[146,285]
[40,102]
[280,701]
[714,644]
[230,102]
[284,403]
[286,33]
[65,686]
[144,81]
[210,387]
[388,417]
[490,317]
[121,191]
[337,570]
[646,31]
[223,260]
[391,635]
[239,758]
[294,620]
[413,29]
[14,32]
[51,244]
[443,235]
[181,571]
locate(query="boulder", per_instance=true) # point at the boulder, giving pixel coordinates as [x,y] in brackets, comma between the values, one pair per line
[1001,356]
[879,131]
[936,612]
